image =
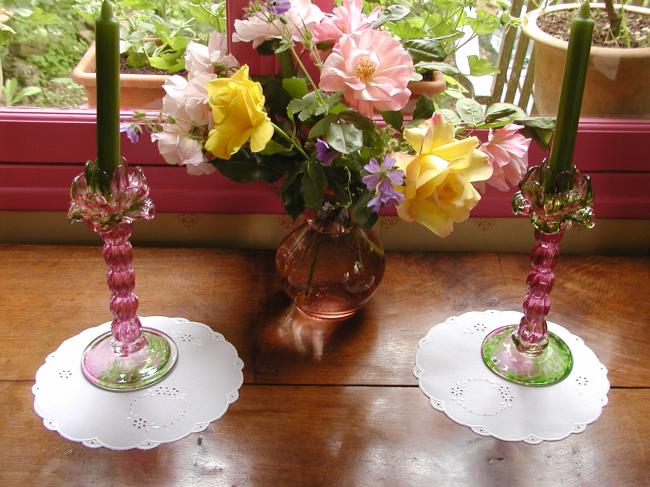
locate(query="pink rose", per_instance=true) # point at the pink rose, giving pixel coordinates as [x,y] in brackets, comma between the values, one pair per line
[346,19]
[372,69]
[507,151]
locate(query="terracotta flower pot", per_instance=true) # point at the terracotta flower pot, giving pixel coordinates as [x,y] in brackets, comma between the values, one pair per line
[430,88]
[142,91]
[616,85]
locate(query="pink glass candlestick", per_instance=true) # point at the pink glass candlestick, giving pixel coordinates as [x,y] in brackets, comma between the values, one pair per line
[527,353]
[129,357]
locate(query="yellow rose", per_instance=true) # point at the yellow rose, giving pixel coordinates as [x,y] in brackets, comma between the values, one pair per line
[237,105]
[438,190]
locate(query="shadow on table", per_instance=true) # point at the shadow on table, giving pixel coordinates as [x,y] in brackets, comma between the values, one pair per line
[288,336]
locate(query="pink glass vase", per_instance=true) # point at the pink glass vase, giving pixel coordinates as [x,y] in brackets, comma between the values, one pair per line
[329,265]
[527,353]
[129,357]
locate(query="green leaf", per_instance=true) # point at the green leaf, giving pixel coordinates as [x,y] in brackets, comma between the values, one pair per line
[394,119]
[392,13]
[506,111]
[170,56]
[427,50]
[547,123]
[284,45]
[28,91]
[313,184]
[423,108]
[291,195]
[273,147]
[358,120]
[245,168]
[363,215]
[344,137]
[450,116]
[320,128]
[296,87]
[437,66]
[480,67]
[339,178]
[313,103]
[338,108]
[540,129]
[470,111]
[484,23]
[6,28]
[267,48]
[11,86]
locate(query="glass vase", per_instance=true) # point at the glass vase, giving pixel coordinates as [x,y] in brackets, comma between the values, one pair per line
[330,266]
[527,353]
[129,357]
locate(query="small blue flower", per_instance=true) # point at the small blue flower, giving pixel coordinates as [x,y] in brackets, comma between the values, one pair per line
[279,7]
[324,153]
[132,132]
[382,179]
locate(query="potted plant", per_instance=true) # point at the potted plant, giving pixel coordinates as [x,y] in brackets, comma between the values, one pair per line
[137,90]
[619,63]
[153,43]
[432,33]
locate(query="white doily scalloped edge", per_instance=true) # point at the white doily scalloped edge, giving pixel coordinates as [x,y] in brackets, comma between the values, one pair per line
[529,438]
[147,444]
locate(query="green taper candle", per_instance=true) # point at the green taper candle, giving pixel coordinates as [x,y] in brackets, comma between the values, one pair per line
[107,45]
[573,85]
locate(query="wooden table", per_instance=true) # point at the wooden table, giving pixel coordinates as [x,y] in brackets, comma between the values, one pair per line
[324,406]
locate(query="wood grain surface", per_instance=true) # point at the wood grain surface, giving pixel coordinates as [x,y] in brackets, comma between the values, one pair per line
[332,436]
[324,405]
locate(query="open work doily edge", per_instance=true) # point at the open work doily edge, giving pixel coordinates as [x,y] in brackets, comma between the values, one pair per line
[530,438]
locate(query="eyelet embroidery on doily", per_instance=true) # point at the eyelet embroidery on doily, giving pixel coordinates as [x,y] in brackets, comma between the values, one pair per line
[476,328]
[582,381]
[65,374]
[187,337]
[140,422]
[501,412]
[505,396]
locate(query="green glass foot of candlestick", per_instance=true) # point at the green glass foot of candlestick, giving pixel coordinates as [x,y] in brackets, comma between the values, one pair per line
[501,355]
[129,372]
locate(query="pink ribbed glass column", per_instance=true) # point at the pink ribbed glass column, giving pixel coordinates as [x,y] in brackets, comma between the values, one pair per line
[531,337]
[527,353]
[118,254]
[129,357]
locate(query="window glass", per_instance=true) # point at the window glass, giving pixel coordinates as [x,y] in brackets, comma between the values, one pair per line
[491,51]
[41,42]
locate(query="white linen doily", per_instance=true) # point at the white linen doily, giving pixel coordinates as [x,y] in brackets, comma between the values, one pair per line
[452,374]
[203,383]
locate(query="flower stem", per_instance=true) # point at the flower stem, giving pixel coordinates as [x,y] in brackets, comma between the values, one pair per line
[291,140]
[304,70]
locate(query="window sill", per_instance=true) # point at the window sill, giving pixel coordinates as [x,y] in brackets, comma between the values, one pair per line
[41,150]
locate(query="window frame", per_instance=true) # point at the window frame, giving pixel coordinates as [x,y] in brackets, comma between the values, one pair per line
[41,150]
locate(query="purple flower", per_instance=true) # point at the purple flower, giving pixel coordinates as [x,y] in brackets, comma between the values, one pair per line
[382,179]
[279,7]
[132,132]
[323,152]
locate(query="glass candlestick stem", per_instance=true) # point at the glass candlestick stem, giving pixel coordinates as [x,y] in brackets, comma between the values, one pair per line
[129,357]
[526,353]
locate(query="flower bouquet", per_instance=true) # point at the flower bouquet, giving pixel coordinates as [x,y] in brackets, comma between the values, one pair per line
[331,128]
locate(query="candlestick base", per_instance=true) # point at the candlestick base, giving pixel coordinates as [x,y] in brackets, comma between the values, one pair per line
[502,357]
[112,372]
